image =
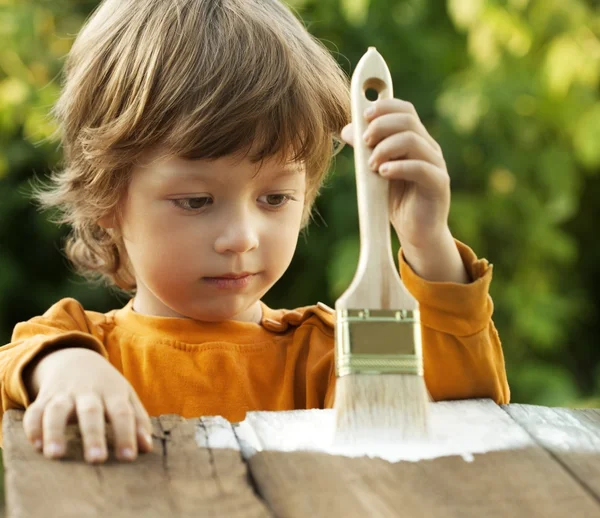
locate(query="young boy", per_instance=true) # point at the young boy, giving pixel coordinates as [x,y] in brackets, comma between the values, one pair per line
[196,136]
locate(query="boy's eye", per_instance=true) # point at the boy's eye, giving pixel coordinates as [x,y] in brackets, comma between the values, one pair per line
[276,200]
[192,203]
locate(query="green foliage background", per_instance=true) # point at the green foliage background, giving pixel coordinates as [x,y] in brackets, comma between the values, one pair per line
[510,89]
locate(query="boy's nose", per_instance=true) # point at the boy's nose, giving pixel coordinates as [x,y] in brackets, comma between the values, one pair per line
[238,237]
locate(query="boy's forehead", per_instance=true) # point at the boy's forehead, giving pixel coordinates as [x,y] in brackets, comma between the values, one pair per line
[169,166]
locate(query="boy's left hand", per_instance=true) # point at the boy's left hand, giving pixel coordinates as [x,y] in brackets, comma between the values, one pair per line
[412,160]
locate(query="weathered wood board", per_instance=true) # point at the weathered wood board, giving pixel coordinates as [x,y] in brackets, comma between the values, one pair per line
[177,479]
[490,466]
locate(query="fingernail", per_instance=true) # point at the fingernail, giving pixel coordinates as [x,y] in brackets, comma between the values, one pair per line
[95,453]
[366,136]
[371,162]
[37,444]
[384,168]
[54,448]
[127,453]
[369,111]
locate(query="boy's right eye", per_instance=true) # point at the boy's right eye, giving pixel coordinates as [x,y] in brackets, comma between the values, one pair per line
[191,204]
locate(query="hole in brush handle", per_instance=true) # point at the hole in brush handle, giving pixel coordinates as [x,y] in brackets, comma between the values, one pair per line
[371,94]
[374,89]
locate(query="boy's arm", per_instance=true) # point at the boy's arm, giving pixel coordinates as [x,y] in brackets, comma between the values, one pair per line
[442,262]
[64,325]
[462,353]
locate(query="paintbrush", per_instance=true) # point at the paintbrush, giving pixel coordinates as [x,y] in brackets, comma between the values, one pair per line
[380,393]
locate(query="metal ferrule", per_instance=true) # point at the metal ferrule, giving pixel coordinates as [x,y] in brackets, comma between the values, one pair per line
[378,341]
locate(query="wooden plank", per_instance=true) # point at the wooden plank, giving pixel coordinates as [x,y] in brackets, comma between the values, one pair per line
[204,481]
[571,435]
[521,480]
[178,479]
[70,487]
[513,484]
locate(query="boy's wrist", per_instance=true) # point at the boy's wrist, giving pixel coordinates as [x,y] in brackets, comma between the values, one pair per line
[34,372]
[439,262]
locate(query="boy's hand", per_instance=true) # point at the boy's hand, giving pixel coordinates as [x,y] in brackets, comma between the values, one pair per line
[77,384]
[412,160]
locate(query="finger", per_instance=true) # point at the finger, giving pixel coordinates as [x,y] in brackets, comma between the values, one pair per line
[56,414]
[32,424]
[143,424]
[90,414]
[391,106]
[120,414]
[422,173]
[407,144]
[347,134]
[391,123]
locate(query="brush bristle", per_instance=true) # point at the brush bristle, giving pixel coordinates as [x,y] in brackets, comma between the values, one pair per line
[382,408]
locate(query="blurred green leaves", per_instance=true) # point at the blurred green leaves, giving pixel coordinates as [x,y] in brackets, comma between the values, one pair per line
[510,90]
[355,11]
[586,136]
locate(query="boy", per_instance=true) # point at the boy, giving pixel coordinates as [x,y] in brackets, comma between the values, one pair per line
[196,136]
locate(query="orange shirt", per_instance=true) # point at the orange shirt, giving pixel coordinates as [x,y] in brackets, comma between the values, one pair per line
[193,368]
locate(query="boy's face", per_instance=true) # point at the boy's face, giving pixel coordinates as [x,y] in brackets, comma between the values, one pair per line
[207,239]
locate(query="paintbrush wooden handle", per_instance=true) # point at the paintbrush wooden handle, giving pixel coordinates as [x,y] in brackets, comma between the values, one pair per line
[377,284]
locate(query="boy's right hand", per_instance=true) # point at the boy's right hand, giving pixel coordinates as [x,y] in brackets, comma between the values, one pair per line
[79,385]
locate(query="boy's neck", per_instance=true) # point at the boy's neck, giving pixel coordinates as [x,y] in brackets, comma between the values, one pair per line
[253,314]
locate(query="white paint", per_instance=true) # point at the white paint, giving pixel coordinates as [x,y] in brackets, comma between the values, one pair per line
[461,428]
[216,432]
[559,429]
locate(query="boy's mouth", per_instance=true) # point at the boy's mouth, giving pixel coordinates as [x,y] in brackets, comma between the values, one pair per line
[231,276]
[229,281]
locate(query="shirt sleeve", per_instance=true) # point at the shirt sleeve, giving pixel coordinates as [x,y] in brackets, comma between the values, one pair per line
[462,353]
[65,324]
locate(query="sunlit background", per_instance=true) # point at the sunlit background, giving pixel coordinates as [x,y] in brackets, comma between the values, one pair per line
[510,89]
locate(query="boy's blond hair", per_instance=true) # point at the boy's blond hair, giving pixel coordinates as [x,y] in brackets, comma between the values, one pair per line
[204,79]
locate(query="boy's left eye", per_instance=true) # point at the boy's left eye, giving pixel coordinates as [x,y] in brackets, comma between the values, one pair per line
[275,200]
[191,204]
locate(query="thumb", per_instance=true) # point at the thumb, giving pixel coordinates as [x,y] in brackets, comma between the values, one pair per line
[347,134]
